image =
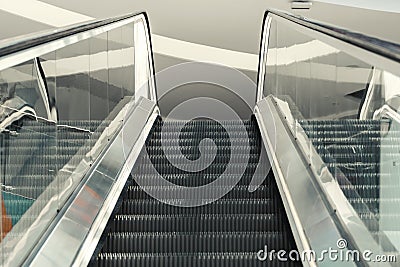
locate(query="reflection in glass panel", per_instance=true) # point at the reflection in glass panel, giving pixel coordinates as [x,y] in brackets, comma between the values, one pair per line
[99,106]
[27,141]
[142,71]
[351,85]
[323,83]
[48,66]
[349,110]
[19,90]
[270,79]
[72,95]
[128,65]
[54,116]
[115,75]
[73,107]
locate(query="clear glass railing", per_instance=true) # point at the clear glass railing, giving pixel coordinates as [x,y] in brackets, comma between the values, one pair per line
[342,91]
[60,93]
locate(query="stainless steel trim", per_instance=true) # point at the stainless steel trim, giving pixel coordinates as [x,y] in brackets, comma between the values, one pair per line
[42,88]
[368,97]
[313,222]
[153,94]
[79,224]
[93,237]
[296,226]
[263,58]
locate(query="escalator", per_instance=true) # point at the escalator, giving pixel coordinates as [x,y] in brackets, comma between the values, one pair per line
[227,232]
[80,179]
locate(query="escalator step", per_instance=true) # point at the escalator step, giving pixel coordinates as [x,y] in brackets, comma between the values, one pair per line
[226,232]
[221,206]
[184,259]
[238,192]
[198,223]
[159,242]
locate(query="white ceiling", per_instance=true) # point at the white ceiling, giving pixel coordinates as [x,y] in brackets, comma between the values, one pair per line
[186,30]
[224,23]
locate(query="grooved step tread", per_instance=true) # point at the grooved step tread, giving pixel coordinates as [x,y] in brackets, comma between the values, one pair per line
[34,154]
[353,151]
[226,232]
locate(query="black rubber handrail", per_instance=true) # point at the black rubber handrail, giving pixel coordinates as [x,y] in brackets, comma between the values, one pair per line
[26,42]
[375,45]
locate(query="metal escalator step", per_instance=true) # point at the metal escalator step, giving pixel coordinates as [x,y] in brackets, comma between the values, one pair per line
[30,140]
[193,179]
[378,200]
[213,168]
[218,158]
[221,206]
[369,190]
[173,123]
[48,149]
[242,259]
[192,126]
[188,150]
[350,122]
[195,142]
[237,192]
[345,133]
[198,223]
[361,165]
[347,141]
[211,134]
[349,148]
[160,242]
[370,157]
[231,229]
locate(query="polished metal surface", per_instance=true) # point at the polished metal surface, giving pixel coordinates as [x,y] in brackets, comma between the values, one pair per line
[83,221]
[141,21]
[364,112]
[263,58]
[313,222]
[43,89]
[93,237]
